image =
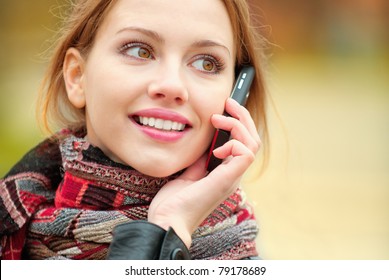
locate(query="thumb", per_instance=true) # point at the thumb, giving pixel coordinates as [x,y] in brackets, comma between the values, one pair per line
[196,171]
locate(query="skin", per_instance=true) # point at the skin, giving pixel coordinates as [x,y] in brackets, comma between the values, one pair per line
[146,64]
[170,77]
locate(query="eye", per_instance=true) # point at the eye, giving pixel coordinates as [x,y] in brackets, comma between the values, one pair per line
[137,50]
[207,64]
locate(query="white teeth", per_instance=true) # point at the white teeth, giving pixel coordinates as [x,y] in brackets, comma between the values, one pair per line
[162,124]
[167,125]
[159,123]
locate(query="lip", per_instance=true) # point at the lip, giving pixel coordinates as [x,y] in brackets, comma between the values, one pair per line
[162,114]
[158,134]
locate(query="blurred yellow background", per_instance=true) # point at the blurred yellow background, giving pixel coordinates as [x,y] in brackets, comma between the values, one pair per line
[325,194]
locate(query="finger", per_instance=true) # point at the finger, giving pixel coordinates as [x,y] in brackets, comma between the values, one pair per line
[203,196]
[237,129]
[241,113]
[237,159]
[234,148]
[196,171]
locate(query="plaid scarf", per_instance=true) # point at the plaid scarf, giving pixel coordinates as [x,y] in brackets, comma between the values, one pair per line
[49,213]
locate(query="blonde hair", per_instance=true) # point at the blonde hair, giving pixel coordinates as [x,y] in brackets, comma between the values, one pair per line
[79,30]
[250,46]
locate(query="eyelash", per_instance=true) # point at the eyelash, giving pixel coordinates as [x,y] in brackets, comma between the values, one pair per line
[137,43]
[217,62]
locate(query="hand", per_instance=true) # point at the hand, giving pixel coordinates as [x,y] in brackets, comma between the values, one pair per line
[186,201]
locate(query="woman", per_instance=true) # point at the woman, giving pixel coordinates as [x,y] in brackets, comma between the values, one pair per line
[140,93]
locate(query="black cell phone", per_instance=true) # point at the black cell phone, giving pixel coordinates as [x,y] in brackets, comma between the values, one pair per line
[240,93]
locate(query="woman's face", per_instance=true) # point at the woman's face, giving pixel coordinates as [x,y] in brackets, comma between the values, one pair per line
[156,73]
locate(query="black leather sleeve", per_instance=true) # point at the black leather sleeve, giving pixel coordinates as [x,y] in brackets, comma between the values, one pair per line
[141,240]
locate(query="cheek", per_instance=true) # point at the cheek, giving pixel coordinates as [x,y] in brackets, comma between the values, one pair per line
[108,89]
[213,101]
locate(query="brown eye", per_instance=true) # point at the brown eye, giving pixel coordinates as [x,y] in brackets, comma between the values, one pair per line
[137,50]
[144,53]
[205,65]
[208,65]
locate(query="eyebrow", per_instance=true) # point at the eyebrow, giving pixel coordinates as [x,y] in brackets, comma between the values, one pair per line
[145,31]
[210,43]
[158,38]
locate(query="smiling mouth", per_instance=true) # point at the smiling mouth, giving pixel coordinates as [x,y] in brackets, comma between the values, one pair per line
[161,124]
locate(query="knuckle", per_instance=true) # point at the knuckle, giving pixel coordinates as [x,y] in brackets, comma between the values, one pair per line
[248,160]
[256,145]
[258,142]
[244,110]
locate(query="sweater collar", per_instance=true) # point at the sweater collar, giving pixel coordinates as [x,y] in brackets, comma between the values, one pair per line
[86,161]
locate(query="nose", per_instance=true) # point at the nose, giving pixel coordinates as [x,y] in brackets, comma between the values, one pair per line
[169,85]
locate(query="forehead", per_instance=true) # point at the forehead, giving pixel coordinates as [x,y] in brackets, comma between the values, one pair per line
[207,19]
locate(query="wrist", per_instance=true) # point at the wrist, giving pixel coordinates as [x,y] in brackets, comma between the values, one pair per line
[181,232]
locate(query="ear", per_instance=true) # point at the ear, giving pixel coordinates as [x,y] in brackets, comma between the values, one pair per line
[73,71]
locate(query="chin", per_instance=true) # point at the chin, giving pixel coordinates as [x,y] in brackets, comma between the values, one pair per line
[158,172]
